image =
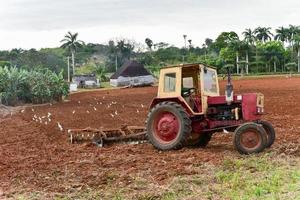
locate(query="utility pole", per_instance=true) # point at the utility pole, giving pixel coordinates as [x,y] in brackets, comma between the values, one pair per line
[116,62]
[247,63]
[298,59]
[237,63]
[68,69]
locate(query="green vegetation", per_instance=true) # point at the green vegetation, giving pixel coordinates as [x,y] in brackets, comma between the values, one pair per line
[267,176]
[39,86]
[260,50]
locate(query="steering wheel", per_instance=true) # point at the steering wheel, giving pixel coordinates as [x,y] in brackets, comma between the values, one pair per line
[188,92]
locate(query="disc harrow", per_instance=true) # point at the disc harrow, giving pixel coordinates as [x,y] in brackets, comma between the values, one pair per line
[101,137]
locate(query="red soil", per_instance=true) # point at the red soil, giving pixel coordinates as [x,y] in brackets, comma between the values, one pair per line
[38,157]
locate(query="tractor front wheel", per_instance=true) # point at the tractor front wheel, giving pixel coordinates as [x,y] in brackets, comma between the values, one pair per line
[168,126]
[270,132]
[250,138]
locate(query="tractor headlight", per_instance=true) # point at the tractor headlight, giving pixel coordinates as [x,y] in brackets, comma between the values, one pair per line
[260,103]
[260,109]
[260,100]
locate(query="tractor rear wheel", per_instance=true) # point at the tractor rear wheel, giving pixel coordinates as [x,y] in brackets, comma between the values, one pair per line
[250,138]
[168,126]
[270,132]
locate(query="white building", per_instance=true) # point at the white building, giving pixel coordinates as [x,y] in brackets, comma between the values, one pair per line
[133,74]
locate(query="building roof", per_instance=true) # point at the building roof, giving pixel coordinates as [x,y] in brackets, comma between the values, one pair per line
[130,69]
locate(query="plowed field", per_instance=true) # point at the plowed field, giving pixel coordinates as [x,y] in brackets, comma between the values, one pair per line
[36,156]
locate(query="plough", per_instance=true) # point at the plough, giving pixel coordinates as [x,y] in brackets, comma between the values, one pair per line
[101,137]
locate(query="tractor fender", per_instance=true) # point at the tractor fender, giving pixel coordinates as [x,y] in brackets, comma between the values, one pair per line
[178,100]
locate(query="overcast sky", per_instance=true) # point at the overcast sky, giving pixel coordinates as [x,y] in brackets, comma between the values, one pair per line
[43,23]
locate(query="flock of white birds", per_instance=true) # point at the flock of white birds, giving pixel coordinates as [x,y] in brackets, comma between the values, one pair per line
[46,119]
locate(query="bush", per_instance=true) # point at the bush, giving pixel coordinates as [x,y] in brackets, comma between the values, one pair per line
[42,86]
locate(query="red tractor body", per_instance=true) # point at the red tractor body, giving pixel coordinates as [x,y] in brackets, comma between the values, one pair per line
[189,109]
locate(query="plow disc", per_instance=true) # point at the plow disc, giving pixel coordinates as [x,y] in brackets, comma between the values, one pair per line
[101,137]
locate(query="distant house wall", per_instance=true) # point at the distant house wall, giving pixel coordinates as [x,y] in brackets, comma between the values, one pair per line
[133,81]
[81,80]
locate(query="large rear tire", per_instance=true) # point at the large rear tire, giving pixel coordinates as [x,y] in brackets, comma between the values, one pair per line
[250,138]
[270,132]
[168,126]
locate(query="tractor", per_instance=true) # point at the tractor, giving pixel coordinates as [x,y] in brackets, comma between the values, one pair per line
[189,109]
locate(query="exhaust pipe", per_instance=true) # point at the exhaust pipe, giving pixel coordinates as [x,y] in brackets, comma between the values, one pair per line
[229,88]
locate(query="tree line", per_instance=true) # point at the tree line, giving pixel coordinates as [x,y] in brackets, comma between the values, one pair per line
[259,50]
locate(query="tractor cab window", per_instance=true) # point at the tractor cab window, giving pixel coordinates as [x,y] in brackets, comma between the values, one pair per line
[170,82]
[188,82]
[210,81]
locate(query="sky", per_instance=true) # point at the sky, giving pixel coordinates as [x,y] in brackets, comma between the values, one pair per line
[43,23]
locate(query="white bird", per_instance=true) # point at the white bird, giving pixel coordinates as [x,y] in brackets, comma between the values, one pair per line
[112,115]
[100,103]
[49,114]
[60,126]
[34,116]
[40,119]
[116,112]
[225,131]
[46,123]
[78,101]
[87,111]
[73,112]
[33,119]
[22,111]
[32,109]
[137,111]
[142,105]
[49,119]
[103,97]
[43,117]
[95,108]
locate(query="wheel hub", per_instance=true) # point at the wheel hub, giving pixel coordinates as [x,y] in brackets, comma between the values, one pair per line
[250,139]
[166,127]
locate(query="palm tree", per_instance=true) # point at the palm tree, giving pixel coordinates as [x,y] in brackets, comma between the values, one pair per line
[249,36]
[190,43]
[263,33]
[281,34]
[184,37]
[297,46]
[235,45]
[149,43]
[71,43]
[292,31]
